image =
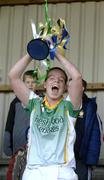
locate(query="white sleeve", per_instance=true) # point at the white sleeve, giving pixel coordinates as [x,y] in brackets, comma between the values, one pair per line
[33,95]
[67,98]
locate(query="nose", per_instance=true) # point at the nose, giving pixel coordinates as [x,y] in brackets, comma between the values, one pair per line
[56,80]
[31,84]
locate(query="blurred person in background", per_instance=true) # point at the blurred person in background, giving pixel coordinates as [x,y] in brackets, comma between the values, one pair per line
[88,137]
[17,125]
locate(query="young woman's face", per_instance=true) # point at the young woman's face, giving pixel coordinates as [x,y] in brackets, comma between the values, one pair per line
[30,82]
[55,84]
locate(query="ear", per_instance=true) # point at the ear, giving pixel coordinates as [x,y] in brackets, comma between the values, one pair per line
[83,88]
[65,88]
[44,84]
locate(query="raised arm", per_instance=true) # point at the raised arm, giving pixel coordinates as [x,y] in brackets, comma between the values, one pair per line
[18,86]
[75,89]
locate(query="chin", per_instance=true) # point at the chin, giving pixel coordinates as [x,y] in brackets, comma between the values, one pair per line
[56,97]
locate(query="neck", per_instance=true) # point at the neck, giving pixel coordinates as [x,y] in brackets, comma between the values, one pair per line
[52,103]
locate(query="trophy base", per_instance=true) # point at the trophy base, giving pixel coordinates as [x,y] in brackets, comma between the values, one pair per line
[38,49]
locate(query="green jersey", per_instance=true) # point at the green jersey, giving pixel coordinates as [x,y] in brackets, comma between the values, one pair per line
[52,133]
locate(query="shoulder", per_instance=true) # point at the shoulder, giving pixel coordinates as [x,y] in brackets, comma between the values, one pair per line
[89,100]
[93,103]
[14,101]
[69,107]
[34,100]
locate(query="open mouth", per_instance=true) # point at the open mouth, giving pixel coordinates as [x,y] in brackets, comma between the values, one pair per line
[55,89]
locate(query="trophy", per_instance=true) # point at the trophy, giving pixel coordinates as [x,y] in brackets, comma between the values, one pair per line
[51,36]
[41,46]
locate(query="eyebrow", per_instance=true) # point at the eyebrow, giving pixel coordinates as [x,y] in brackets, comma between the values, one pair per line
[54,76]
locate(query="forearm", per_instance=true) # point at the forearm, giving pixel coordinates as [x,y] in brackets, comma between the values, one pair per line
[70,68]
[18,86]
[19,67]
[75,86]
